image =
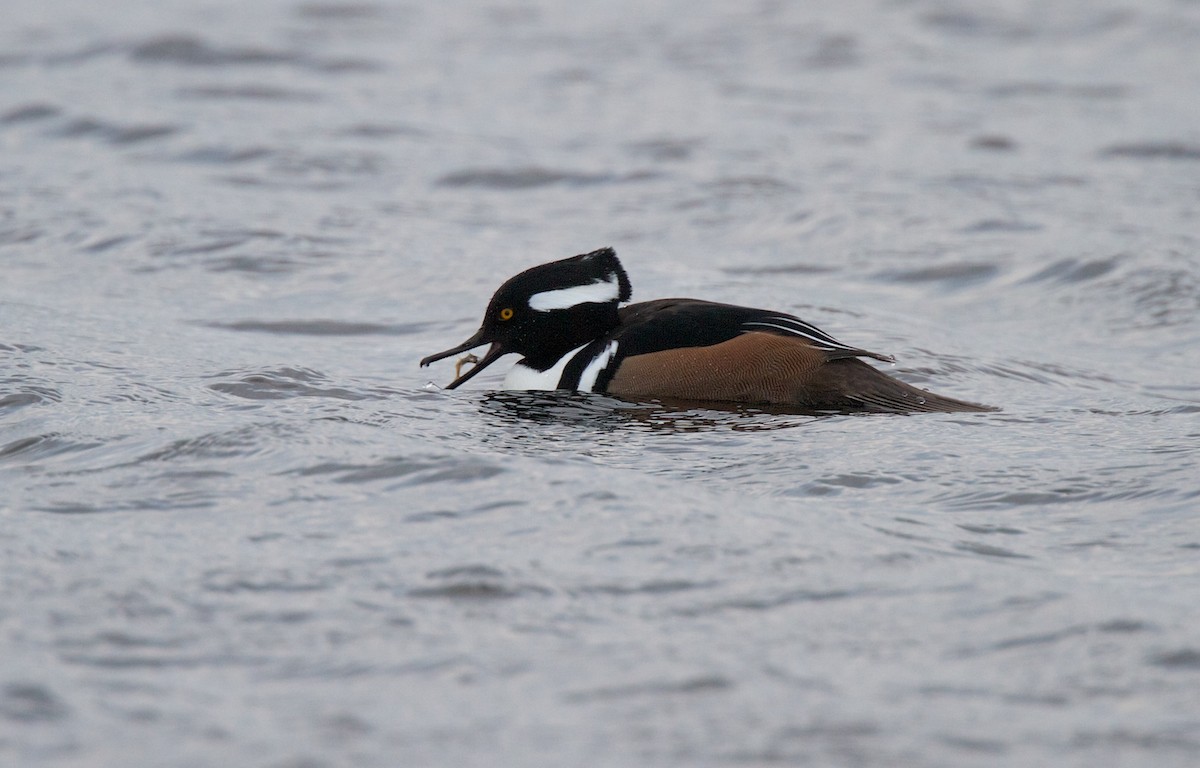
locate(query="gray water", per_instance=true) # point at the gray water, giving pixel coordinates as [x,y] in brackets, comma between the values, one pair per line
[240,526]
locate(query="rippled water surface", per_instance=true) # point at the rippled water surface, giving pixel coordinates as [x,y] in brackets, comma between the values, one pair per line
[242,527]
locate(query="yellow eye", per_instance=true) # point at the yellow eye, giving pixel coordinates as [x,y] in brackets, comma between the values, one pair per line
[506,313]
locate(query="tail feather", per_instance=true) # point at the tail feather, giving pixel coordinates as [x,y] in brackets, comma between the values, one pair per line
[855,385]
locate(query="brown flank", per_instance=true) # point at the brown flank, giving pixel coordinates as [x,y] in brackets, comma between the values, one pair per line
[768,368]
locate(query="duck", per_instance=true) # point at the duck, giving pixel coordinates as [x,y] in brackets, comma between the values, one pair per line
[570,322]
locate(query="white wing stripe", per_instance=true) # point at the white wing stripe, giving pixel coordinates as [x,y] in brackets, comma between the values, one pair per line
[805,328]
[800,328]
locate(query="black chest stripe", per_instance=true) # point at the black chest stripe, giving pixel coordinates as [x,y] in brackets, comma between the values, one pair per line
[574,369]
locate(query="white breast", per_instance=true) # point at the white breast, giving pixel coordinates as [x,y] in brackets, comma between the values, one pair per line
[523,377]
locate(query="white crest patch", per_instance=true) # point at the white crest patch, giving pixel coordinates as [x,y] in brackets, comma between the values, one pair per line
[587,379]
[522,377]
[597,292]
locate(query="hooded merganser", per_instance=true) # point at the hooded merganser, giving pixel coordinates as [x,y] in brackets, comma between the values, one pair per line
[563,318]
